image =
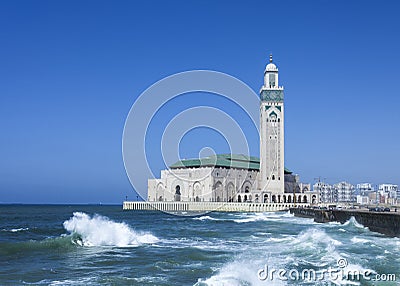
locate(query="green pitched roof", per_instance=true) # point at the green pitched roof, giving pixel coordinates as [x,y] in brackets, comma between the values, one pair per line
[238,161]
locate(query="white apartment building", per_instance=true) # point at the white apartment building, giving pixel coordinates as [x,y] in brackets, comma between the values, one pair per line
[344,191]
[389,190]
[327,193]
[364,189]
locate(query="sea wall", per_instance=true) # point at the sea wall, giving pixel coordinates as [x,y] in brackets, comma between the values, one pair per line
[209,206]
[387,223]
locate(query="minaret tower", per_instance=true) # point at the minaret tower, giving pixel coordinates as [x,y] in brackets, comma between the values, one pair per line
[272,169]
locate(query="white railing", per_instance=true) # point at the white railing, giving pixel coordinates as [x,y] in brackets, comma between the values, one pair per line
[209,206]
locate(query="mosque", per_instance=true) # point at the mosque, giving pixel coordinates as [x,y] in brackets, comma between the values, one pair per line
[235,177]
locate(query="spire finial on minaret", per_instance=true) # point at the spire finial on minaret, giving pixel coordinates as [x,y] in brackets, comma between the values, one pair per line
[270,58]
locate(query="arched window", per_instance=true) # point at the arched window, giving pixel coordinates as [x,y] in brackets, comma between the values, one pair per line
[230,192]
[273,177]
[177,193]
[218,192]
[314,199]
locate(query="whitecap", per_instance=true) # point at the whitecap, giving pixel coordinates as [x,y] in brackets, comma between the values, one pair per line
[15,229]
[101,231]
[275,239]
[205,218]
[259,217]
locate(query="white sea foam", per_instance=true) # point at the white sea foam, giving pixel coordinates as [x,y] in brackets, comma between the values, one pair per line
[262,233]
[359,240]
[237,273]
[259,217]
[333,223]
[275,239]
[250,217]
[317,249]
[15,229]
[205,218]
[101,231]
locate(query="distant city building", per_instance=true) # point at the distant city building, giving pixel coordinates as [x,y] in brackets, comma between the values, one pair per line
[326,192]
[344,192]
[363,193]
[364,189]
[373,197]
[391,190]
[362,200]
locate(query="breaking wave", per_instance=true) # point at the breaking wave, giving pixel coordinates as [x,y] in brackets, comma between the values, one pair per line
[83,231]
[315,246]
[352,222]
[101,231]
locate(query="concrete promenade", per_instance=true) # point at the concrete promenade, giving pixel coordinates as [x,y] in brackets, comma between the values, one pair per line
[210,206]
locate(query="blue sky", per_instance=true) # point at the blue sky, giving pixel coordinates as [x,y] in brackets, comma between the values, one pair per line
[71,70]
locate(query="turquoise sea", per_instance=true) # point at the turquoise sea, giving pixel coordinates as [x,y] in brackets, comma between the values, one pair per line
[103,245]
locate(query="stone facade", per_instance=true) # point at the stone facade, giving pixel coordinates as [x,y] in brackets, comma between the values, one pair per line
[203,184]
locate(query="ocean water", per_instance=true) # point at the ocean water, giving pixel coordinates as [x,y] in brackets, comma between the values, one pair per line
[103,245]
